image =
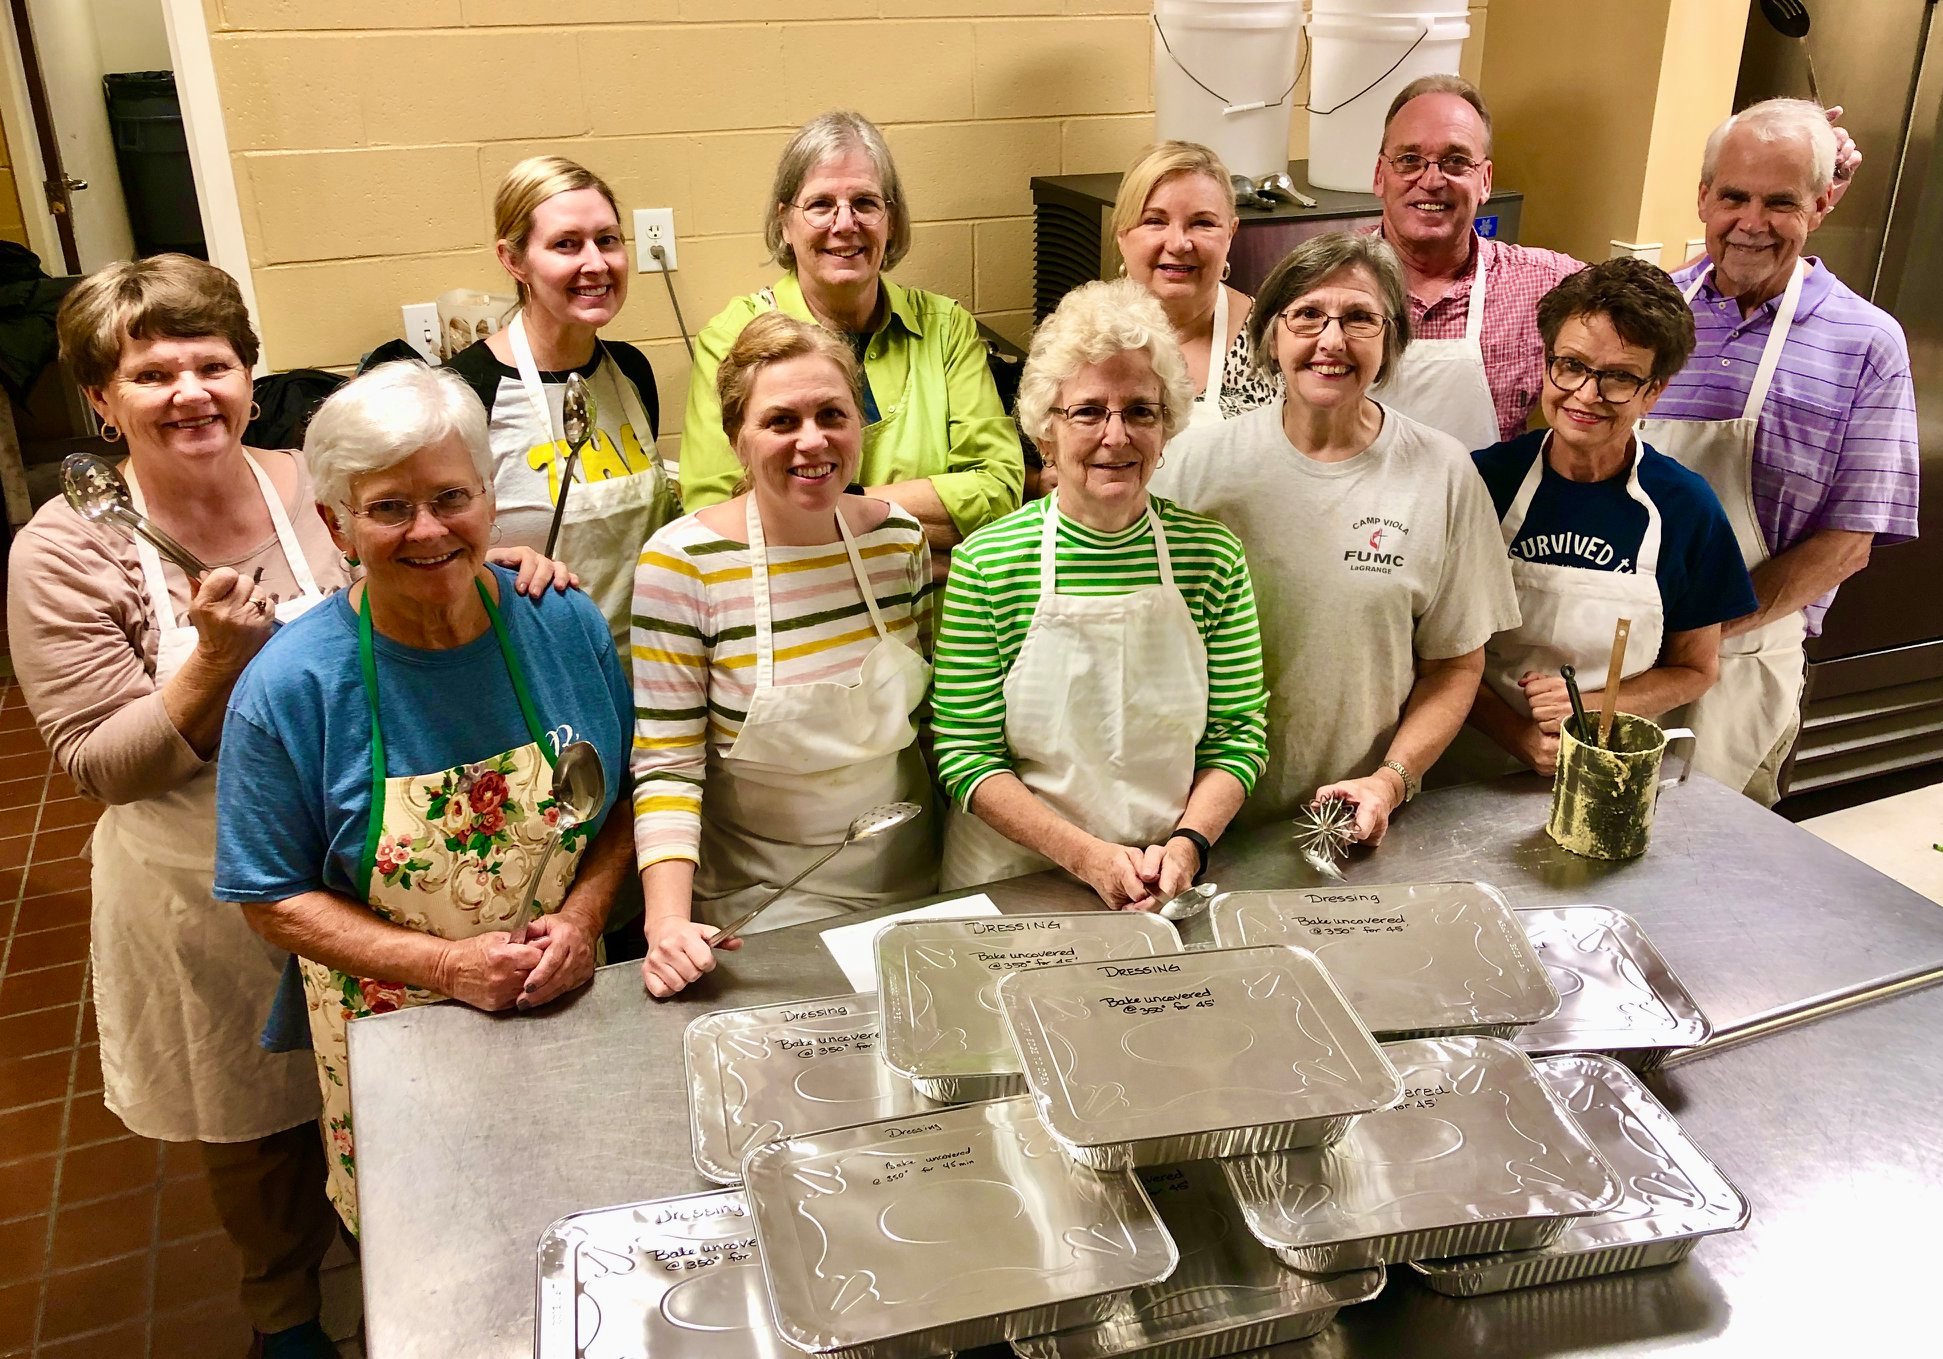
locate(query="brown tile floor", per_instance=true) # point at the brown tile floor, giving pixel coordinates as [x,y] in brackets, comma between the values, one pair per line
[108,1242]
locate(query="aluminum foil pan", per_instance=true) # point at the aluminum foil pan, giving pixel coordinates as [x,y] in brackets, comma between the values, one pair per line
[1227,1295]
[968,1226]
[938,980]
[775,1070]
[1218,1052]
[1478,1156]
[1415,959]
[1617,996]
[1674,1195]
[675,1278]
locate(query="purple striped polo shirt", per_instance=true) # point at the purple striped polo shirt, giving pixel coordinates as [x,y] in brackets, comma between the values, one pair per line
[1836,445]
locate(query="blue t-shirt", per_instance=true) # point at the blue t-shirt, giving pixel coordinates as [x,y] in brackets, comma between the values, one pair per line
[1597,526]
[293,784]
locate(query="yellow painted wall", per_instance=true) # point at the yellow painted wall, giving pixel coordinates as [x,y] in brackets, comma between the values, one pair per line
[368,136]
[1698,71]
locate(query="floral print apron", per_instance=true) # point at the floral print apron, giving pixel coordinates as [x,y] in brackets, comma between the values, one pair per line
[448,853]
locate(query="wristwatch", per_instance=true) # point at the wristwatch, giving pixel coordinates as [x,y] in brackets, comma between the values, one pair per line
[1412,785]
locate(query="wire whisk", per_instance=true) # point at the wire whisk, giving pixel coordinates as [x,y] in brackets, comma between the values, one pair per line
[1324,831]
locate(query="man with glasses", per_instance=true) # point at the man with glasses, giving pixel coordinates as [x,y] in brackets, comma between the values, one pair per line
[1799,410]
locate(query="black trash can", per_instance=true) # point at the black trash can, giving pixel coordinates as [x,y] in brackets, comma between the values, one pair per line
[153,156]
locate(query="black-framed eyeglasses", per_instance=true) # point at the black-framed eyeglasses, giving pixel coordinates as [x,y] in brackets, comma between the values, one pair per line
[1614,385]
[866,209]
[446,506]
[1308,322]
[1134,415]
[1410,165]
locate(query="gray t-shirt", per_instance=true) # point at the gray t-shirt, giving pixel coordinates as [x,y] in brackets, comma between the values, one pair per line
[1360,568]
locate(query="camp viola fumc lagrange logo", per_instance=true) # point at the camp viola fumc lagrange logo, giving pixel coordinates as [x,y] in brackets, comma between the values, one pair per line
[1378,544]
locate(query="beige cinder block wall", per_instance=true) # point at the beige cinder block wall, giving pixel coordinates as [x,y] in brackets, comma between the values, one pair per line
[368,136]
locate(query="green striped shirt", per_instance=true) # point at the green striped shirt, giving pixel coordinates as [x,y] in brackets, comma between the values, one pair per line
[994,589]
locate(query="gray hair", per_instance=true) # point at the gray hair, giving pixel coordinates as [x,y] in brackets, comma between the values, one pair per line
[380,418]
[1313,263]
[1440,84]
[1773,120]
[1091,324]
[821,139]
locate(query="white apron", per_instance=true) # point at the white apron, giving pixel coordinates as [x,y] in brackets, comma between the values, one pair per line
[608,519]
[1207,406]
[1741,719]
[1104,706]
[181,981]
[1443,383]
[808,760]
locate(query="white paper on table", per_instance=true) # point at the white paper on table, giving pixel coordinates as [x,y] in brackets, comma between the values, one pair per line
[855,946]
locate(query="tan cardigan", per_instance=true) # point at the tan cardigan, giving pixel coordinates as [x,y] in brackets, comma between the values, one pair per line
[84,640]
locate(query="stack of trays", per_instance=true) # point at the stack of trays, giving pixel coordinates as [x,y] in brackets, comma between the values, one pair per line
[674,1277]
[1478,1156]
[963,1227]
[1218,1052]
[1227,1295]
[1617,996]
[777,1070]
[1415,960]
[1673,1195]
[939,985]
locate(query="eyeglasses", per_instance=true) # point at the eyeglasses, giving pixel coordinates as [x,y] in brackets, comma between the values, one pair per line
[1309,322]
[445,507]
[866,209]
[1134,415]
[1615,386]
[1411,165]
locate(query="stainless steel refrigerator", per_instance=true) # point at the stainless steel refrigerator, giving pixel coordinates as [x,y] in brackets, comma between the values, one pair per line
[1875,675]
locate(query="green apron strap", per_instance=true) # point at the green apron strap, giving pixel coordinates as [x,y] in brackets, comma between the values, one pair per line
[368,665]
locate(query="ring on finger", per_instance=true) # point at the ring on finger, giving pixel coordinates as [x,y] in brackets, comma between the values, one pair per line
[262,604]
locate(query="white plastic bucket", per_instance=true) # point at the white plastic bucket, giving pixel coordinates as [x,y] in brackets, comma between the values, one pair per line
[1388,9]
[1244,53]
[1356,66]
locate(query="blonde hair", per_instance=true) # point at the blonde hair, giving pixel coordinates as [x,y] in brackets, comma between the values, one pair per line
[1160,162]
[1091,324]
[163,297]
[824,138]
[531,183]
[770,338]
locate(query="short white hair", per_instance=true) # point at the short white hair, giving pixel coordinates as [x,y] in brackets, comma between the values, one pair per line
[1091,324]
[1774,120]
[380,418]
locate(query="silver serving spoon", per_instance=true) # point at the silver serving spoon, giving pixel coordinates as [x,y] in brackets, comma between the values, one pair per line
[95,488]
[1188,904]
[1247,195]
[1279,185]
[580,790]
[578,413]
[876,821]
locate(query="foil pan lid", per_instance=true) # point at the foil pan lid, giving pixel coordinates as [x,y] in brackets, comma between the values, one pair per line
[1615,990]
[772,1070]
[1226,1279]
[938,980]
[1410,957]
[906,1226]
[1194,1043]
[1477,1137]
[676,1278]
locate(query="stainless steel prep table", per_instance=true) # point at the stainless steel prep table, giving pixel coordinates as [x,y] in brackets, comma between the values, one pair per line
[1753,913]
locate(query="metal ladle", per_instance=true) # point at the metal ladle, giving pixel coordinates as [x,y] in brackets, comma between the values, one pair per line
[1279,185]
[580,791]
[578,412]
[876,821]
[1247,194]
[95,488]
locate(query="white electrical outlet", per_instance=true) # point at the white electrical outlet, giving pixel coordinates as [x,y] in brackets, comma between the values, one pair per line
[422,328]
[652,227]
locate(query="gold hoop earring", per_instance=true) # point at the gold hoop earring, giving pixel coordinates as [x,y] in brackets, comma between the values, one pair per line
[110,435]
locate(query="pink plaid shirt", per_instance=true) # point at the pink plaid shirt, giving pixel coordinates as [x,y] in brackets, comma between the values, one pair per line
[1514,356]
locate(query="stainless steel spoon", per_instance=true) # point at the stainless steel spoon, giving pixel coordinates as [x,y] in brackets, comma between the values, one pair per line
[1247,195]
[1790,19]
[1188,904]
[95,488]
[580,791]
[873,822]
[578,416]
[1279,185]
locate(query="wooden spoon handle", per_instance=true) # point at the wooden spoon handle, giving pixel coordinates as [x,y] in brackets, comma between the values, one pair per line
[1609,701]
